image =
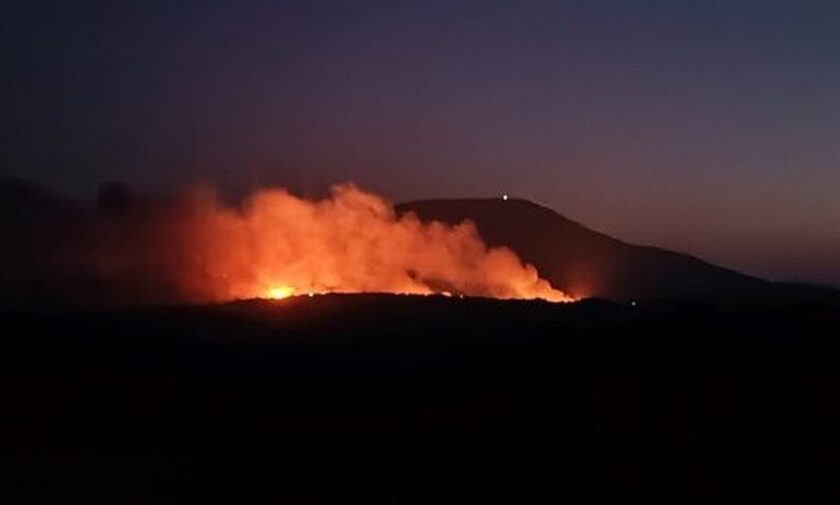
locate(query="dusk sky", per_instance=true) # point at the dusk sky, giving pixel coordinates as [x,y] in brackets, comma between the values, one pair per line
[709,127]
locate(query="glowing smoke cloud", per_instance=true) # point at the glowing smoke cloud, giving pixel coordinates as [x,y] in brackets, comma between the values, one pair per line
[276,245]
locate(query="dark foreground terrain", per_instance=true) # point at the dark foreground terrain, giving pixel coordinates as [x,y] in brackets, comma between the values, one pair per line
[391,399]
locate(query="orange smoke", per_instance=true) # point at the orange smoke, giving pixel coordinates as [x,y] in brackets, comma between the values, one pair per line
[277,245]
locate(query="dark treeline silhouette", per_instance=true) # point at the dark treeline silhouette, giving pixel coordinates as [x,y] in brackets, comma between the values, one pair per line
[398,399]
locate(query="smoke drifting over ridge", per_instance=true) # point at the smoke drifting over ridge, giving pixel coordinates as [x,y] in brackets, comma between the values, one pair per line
[275,244]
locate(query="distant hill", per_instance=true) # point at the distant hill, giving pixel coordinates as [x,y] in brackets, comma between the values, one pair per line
[41,229]
[586,263]
[48,242]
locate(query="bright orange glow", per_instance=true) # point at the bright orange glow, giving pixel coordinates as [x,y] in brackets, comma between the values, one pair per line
[280,292]
[276,245]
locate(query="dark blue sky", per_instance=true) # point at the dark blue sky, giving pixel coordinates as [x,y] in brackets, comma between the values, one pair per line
[709,127]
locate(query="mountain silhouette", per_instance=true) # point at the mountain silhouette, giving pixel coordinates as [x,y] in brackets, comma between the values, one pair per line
[586,263]
[50,238]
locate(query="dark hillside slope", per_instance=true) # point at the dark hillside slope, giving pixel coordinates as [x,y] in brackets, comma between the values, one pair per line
[586,263]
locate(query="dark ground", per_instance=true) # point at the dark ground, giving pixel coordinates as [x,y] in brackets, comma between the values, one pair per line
[393,399]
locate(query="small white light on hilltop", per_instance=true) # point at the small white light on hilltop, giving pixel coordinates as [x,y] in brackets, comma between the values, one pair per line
[633,303]
[505,197]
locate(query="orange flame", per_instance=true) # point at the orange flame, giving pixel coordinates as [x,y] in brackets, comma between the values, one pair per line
[279,292]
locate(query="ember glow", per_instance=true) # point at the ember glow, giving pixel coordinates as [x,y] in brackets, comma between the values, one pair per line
[279,292]
[276,245]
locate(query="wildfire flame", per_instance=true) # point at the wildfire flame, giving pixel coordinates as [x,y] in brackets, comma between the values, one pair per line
[280,292]
[276,245]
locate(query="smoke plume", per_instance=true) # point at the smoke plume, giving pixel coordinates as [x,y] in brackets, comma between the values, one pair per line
[276,244]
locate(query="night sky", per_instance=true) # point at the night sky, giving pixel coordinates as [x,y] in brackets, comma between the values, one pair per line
[709,127]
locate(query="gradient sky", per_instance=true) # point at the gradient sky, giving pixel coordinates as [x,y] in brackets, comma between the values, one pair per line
[710,127]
